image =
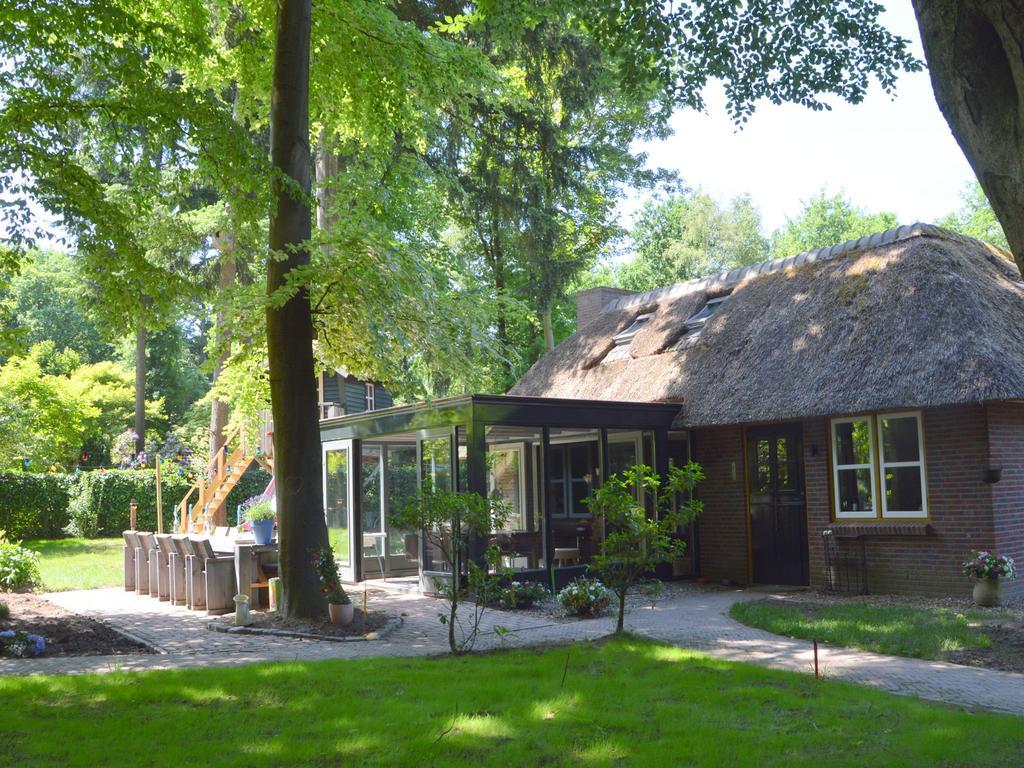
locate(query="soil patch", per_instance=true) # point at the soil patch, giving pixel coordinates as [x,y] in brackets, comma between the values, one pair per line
[1006,652]
[66,633]
[361,623]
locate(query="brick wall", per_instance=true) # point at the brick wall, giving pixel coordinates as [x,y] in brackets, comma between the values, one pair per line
[957,452]
[722,527]
[590,302]
[1006,450]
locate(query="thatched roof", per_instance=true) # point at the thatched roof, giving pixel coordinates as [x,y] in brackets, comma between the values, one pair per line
[915,316]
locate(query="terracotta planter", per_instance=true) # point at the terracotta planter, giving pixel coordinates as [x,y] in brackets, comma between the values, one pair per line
[341,614]
[988,592]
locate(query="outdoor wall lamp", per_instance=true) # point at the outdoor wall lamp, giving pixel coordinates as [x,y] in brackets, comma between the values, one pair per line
[993,475]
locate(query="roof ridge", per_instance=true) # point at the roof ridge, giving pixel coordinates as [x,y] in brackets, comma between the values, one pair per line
[733,276]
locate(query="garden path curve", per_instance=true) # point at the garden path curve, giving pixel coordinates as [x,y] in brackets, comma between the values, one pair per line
[692,618]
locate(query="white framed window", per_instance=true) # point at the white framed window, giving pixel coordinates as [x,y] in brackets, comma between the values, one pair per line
[371,397]
[853,467]
[901,464]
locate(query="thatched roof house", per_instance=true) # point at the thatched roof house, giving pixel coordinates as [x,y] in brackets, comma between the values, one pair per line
[915,316]
[867,395]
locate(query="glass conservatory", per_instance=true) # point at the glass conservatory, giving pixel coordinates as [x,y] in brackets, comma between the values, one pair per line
[541,456]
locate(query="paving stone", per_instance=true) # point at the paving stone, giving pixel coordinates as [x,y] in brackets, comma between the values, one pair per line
[695,619]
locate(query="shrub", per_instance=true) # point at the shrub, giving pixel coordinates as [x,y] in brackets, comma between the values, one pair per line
[585,597]
[21,644]
[34,506]
[19,566]
[521,594]
[5,612]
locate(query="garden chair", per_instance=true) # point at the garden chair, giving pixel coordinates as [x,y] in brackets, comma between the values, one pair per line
[131,543]
[217,580]
[164,548]
[142,553]
[195,592]
[176,569]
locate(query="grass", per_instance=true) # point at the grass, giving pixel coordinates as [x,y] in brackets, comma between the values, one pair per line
[79,563]
[624,702]
[924,633]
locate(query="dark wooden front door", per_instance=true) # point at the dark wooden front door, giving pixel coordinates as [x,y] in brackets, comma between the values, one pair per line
[778,516]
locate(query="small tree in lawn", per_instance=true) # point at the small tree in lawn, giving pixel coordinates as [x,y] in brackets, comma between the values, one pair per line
[453,523]
[636,541]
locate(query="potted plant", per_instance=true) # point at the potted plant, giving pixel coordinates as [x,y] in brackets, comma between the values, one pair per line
[987,567]
[261,518]
[339,606]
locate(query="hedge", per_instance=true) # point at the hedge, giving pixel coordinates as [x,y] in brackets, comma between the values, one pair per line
[41,506]
[34,506]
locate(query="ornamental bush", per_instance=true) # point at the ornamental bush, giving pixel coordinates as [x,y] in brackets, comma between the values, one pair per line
[585,597]
[521,594]
[19,566]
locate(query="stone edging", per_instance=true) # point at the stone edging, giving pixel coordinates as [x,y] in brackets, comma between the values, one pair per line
[152,647]
[390,626]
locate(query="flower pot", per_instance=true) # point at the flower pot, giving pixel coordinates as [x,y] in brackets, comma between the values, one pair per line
[988,591]
[263,531]
[341,614]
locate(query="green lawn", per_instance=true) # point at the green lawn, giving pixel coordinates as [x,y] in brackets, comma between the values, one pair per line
[79,563]
[924,633]
[624,702]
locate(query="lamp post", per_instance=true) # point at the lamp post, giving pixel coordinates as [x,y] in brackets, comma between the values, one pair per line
[133,515]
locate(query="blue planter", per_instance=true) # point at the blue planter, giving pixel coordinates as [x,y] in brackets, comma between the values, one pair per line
[263,531]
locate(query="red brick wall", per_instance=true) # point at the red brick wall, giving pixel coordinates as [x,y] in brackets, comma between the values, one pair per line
[1006,450]
[722,527]
[960,503]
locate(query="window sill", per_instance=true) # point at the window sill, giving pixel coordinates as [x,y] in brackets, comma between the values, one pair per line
[848,529]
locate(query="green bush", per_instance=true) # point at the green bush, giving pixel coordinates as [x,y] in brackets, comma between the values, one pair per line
[5,612]
[34,506]
[19,566]
[90,504]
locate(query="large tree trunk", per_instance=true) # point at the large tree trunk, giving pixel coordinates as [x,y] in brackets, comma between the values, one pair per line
[225,244]
[975,53]
[140,388]
[549,330]
[290,326]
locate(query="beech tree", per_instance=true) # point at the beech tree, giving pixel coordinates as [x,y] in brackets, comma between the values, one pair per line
[975,55]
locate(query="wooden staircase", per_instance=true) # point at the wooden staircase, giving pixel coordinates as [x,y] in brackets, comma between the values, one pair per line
[204,505]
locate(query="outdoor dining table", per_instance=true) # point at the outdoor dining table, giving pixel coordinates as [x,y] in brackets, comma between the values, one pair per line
[249,556]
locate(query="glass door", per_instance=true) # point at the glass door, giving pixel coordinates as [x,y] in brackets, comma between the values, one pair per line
[400,488]
[337,466]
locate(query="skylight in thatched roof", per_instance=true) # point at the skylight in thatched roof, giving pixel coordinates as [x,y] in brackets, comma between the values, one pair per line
[695,323]
[624,338]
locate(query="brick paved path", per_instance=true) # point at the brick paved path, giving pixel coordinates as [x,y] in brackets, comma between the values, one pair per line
[693,619]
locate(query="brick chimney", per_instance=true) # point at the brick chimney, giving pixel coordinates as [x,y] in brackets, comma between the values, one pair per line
[590,302]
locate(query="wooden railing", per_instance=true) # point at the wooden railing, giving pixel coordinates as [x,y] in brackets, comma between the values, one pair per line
[208,481]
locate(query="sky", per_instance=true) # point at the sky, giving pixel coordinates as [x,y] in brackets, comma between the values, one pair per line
[887,153]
